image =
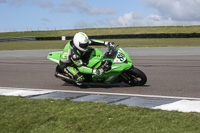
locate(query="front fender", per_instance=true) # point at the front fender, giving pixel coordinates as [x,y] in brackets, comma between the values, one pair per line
[121,67]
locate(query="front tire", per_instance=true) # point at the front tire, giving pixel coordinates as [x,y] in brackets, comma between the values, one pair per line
[137,77]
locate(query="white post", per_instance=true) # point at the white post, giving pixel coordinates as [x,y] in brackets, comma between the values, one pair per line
[63,38]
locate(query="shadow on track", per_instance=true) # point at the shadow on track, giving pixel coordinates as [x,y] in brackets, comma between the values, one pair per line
[101,85]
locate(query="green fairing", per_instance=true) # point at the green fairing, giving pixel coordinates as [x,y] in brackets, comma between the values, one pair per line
[109,76]
[117,68]
[55,57]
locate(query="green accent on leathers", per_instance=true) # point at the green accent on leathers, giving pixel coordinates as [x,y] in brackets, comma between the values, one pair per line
[66,53]
[65,57]
[72,70]
[85,69]
[98,41]
[77,62]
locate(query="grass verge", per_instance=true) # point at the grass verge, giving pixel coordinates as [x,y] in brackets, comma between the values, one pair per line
[173,42]
[18,114]
[107,31]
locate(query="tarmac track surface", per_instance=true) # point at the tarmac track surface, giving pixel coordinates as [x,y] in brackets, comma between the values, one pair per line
[176,75]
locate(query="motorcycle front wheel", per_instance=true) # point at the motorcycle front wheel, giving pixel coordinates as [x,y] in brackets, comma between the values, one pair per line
[137,77]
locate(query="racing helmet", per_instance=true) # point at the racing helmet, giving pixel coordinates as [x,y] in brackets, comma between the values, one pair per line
[81,41]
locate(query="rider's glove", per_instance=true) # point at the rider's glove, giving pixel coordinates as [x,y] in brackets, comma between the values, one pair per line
[112,44]
[98,72]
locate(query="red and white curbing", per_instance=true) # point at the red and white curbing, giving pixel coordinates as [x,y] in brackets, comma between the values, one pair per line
[187,104]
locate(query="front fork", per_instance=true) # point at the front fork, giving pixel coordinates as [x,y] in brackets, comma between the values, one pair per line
[127,75]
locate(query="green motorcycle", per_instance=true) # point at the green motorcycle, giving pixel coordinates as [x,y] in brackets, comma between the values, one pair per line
[116,63]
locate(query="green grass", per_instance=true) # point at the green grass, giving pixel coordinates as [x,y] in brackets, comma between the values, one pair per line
[18,114]
[174,42]
[169,42]
[31,45]
[107,31]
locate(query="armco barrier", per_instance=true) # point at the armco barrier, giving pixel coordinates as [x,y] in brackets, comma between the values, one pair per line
[126,36]
[48,38]
[162,35]
[14,39]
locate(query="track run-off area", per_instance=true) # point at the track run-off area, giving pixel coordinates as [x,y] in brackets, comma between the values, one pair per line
[172,72]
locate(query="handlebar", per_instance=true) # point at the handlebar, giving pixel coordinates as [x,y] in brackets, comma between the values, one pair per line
[111,49]
[111,52]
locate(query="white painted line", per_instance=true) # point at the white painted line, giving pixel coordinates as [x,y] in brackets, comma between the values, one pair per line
[136,95]
[106,93]
[22,92]
[5,91]
[182,106]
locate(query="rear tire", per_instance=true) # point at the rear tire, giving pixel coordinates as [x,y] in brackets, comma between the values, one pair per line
[58,70]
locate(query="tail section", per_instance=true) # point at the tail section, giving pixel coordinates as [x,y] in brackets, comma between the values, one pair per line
[54,56]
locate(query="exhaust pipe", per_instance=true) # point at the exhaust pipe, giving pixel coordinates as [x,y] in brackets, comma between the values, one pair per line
[63,77]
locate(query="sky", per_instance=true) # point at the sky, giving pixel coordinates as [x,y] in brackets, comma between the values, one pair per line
[23,15]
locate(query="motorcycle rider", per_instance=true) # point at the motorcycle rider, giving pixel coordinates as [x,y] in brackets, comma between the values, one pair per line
[71,62]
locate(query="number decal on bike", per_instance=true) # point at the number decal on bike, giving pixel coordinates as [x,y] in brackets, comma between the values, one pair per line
[120,58]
